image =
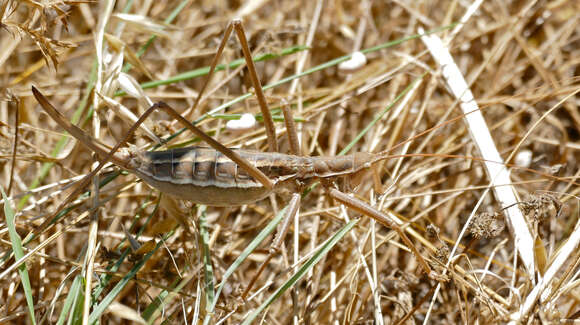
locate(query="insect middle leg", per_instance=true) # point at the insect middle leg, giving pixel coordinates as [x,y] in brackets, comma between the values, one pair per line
[281,232]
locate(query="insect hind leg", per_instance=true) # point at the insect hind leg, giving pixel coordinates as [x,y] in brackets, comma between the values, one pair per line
[105,156]
[369,211]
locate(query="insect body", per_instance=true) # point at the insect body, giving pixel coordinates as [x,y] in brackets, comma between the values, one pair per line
[206,176]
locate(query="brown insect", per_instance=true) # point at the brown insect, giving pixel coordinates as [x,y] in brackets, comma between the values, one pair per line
[221,176]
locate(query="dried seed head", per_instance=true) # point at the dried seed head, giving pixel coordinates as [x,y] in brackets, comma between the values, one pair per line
[554,169]
[442,253]
[432,232]
[487,225]
[541,207]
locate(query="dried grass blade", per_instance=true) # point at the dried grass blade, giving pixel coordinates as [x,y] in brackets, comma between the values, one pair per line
[145,24]
[119,45]
[167,20]
[132,87]
[539,291]
[481,136]
[125,312]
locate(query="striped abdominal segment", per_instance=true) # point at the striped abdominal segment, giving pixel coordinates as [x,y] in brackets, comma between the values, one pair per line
[206,176]
[196,166]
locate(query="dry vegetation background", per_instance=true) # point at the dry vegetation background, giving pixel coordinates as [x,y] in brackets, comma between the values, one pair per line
[520,58]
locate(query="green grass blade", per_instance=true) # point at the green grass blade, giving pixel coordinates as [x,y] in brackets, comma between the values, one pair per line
[76,313]
[18,254]
[320,67]
[73,296]
[205,70]
[109,298]
[303,270]
[408,38]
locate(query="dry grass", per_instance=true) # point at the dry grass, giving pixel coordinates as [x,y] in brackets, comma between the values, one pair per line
[162,262]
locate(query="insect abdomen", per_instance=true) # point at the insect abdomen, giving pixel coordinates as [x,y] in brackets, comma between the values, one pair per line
[200,175]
